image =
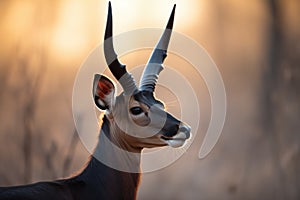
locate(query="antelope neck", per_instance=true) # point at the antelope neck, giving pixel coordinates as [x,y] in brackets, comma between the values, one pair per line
[115,151]
[112,169]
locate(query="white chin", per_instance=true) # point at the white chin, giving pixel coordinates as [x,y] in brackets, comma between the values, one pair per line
[175,143]
[177,140]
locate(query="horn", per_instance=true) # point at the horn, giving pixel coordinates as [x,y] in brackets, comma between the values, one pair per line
[117,69]
[154,65]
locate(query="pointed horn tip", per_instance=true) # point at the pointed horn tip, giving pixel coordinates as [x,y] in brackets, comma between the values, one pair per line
[108,29]
[173,10]
[109,13]
[171,19]
[109,6]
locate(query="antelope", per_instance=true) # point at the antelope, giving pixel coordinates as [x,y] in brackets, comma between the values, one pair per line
[133,120]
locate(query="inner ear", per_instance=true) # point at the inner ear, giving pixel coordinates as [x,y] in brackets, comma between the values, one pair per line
[103,92]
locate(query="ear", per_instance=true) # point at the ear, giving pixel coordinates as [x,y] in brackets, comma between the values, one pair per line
[103,92]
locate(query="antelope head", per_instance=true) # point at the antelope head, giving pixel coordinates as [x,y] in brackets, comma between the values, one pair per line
[136,118]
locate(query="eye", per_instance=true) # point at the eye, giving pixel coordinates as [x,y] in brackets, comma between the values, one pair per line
[136,110]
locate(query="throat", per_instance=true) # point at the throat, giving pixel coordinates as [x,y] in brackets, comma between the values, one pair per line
[114,152]
[113,156]
[113,170]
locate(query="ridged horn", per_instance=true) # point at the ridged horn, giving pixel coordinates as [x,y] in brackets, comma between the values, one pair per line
[154,65]
[117,69]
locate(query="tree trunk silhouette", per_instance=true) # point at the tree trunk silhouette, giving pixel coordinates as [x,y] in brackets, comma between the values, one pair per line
[70,153]
[33,89]
[270,82]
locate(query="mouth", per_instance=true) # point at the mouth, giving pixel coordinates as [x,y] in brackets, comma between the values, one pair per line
[179,139]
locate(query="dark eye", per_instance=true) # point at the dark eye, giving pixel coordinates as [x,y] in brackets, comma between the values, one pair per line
[136,110]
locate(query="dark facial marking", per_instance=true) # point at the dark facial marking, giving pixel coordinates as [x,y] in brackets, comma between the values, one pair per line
[147,98]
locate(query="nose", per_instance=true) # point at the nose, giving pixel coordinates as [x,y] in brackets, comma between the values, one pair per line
[171,126]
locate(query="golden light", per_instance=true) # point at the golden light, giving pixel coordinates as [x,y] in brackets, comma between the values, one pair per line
[133,14]
[76,20]
[15,25]
[19,18]
[70,33]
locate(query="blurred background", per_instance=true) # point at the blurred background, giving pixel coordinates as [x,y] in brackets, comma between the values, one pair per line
[256,45]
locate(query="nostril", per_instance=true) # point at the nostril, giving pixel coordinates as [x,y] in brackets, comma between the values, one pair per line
[174,129]
[171,130]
